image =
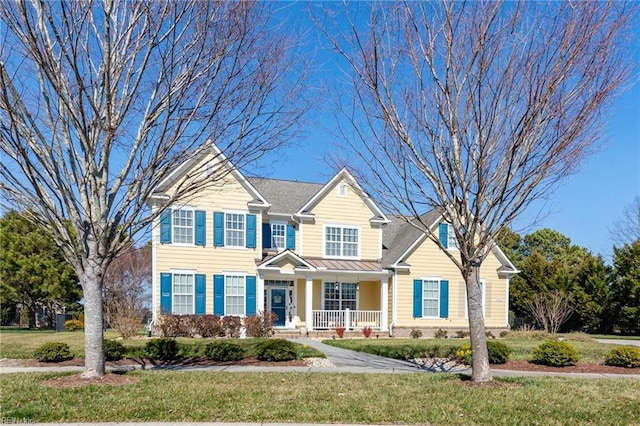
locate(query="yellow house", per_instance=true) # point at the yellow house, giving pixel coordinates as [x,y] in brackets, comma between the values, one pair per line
[319,256]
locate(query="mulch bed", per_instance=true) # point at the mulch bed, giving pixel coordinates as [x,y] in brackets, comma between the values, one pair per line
[150,363]
[523,365]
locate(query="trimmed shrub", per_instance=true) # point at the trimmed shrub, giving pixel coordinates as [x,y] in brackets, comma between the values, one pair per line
[555,353]
[498,352]
[113,350]
[210,326]
[53,352]
[73,325]
[260,324]
[440,334]
[461,334]
[162,349]
[276,350]
[224,350]
[416,333]
[623,356]
[231,326]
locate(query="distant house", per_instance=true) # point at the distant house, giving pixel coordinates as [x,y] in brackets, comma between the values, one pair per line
[317,255]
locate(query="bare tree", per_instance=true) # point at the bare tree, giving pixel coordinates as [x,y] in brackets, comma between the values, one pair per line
[475,109]
[627,228]
[550,310]
[100,101]
[127,288]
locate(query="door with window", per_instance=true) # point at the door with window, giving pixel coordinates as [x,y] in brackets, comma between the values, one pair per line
[279,305]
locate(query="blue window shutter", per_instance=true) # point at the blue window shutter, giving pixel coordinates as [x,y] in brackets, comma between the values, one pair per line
[266,235]
[444,299]
[291,236]
[251,231]
[417,298]
[444,235]
[251,295]
[165,227]
[201,228]
[218,294]
[165,293]
[218,229]
[200,285]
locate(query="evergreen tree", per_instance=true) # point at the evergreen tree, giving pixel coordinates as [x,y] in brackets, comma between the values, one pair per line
[32,270]
[625,289]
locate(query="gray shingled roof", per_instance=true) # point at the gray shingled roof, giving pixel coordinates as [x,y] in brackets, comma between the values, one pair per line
[399,235]
[285,196]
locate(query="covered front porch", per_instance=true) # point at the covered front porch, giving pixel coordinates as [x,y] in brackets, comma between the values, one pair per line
[321,294]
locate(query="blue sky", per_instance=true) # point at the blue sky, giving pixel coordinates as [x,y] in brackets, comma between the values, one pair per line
[583,208]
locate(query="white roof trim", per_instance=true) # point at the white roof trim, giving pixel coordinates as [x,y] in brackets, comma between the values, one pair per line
[495,250]
[286,254]
[342,174]
[227,163]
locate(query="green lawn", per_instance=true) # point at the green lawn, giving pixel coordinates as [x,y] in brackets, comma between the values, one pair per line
[22,344]
[437,399]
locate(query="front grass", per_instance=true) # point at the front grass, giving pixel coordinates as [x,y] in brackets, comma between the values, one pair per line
[21,345]
[437,399]
[522,348]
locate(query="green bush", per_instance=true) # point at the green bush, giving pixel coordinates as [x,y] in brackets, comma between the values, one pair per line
[498,352]
[224,350]
[623,356]
[162,349]
[276,350]
[555,353]
[113,350]
[73,325]
[53,352]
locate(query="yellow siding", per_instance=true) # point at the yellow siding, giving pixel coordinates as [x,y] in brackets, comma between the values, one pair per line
[210,260]
[301,287]
[428,261]
[317,294]
[334,209]
[369,297]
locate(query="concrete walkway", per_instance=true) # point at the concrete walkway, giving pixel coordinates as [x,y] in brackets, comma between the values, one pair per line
[619,342]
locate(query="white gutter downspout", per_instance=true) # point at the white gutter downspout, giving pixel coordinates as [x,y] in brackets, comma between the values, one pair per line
[394,303]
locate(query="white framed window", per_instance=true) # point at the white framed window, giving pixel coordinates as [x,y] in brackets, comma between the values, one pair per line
[452,242]
[342,190]
[341,241]
[483,286]
[183,228]
[234,229]
[278,235]
[431,298]
[183,294]
[234,295]
[339,296]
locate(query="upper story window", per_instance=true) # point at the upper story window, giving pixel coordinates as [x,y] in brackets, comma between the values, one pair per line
[342,189]
[278,235]
[341,241]
[447,236]
[183,226]
[234,230]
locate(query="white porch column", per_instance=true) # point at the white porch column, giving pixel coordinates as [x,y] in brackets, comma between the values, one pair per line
[308,303]
[260,293]
[384,300]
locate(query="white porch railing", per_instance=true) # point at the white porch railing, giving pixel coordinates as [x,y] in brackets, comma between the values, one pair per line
[326,320]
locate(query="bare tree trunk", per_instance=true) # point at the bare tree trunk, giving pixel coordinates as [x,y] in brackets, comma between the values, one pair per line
[93,319]
[481,371]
